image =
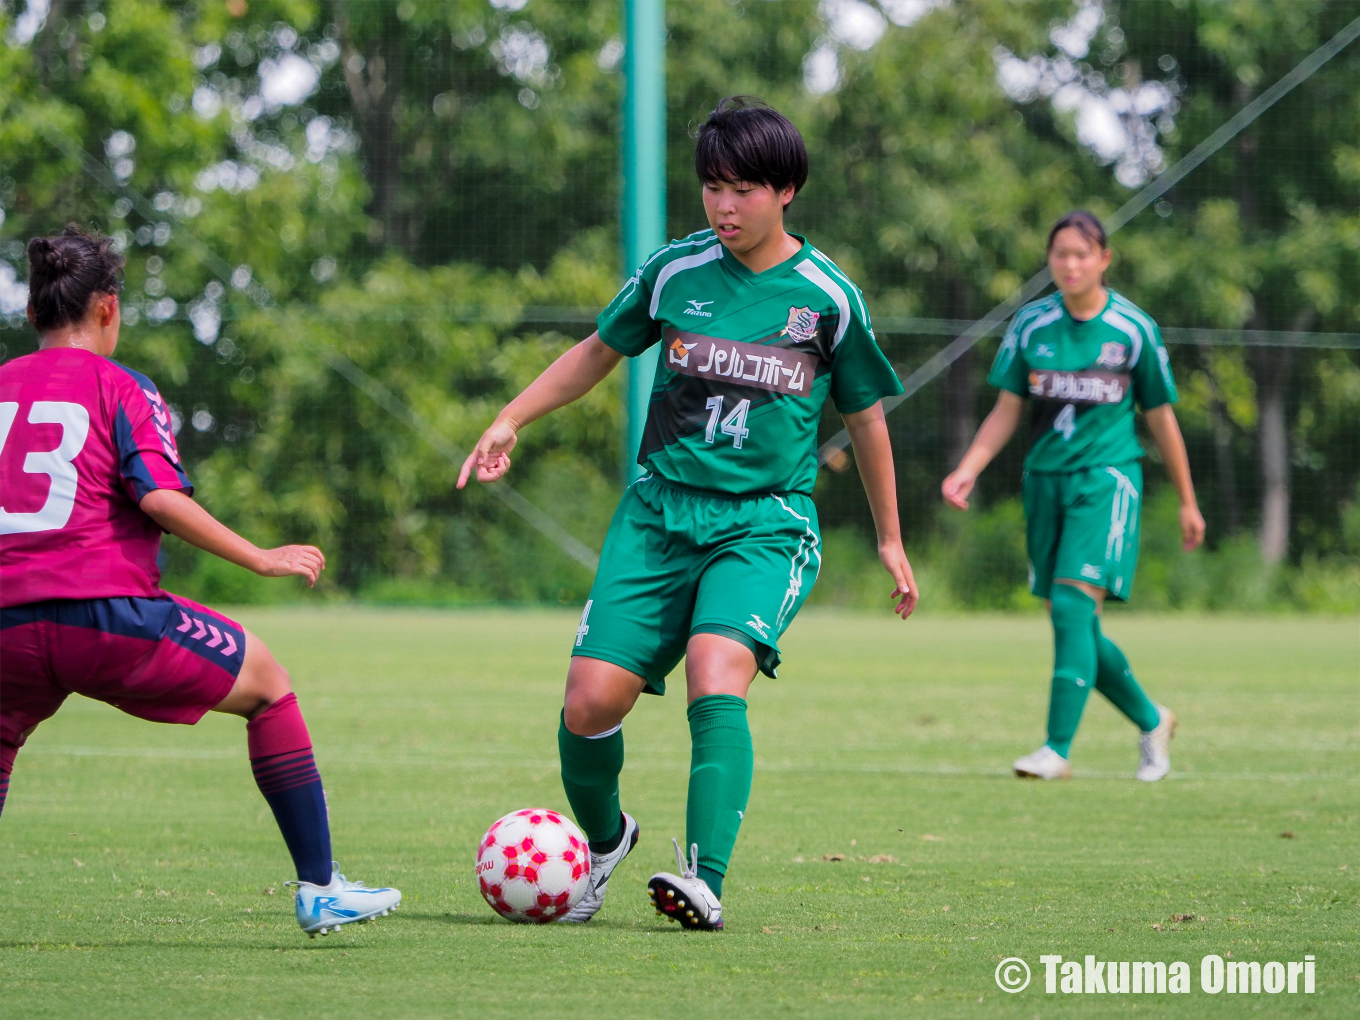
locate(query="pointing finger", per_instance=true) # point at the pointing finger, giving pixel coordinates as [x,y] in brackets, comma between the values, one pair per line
[473,458]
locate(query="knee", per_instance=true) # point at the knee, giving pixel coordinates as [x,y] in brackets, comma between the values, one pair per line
[599,694]
[275,684]
[586,714]
[715,664]
[1072,607]
[262,681]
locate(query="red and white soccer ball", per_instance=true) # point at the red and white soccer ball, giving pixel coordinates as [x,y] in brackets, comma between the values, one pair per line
[533,866]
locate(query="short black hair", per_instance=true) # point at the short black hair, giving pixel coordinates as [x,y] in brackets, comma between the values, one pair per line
[744,139]
[66,270]
[1087,224]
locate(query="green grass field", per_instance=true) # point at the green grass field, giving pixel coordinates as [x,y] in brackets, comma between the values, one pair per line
[144,876]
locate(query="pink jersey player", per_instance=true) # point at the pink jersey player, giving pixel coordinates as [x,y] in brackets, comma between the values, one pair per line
[89,478]
[92,440]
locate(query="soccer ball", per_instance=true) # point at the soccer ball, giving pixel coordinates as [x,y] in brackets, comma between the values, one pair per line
[533,866]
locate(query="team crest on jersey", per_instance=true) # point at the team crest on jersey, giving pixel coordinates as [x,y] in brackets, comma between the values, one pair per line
[678,352]
[802,324]
[1112,354]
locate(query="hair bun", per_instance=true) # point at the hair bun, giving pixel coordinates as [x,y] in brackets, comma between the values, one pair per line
[65,271]
[41,249]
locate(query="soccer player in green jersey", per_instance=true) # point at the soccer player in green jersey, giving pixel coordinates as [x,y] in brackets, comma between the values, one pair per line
[714,549]
[1083,358]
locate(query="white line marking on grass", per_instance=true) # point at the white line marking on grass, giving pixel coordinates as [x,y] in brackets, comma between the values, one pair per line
[490,760]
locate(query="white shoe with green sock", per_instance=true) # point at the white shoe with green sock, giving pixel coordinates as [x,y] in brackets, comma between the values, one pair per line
[686,897]
[1083,657]
[1154,750]
[722,762]
[590,776]
[1044,763]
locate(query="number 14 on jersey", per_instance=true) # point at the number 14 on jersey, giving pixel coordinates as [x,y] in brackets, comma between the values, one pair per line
[733,425]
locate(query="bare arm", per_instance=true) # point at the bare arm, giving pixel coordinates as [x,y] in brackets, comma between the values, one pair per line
[569,378]
[873,453]
[1166,433]
[183,518]
[992,437]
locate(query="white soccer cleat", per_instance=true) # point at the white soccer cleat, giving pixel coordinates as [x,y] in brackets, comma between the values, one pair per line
[322,909]
[601,867]
[686,897]
[1154,748]
[1044,763]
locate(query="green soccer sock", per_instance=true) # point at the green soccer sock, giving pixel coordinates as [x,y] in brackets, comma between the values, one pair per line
[1114,679]
[1074,663]
[590,775]
[721,763]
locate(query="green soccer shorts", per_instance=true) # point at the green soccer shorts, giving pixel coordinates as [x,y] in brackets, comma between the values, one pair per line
[678,562]
[1083,526]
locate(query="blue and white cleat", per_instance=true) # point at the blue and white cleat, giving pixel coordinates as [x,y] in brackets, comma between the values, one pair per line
[322,909]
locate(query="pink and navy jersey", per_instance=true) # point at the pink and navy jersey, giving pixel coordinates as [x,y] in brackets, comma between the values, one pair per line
[82,440]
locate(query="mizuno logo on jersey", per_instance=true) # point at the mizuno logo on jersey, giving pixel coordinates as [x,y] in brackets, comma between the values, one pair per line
[697,308]
[736,361]
[802,325]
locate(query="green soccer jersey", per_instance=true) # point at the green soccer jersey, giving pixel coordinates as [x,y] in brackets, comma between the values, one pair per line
[1082,379]
[747,362]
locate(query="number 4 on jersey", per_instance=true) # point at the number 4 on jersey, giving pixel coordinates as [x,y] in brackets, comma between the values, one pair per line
[1066,422]
[733,425]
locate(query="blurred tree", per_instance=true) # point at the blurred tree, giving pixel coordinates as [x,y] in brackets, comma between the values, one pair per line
[509,111]
[1262,236]
[381,175]
[206,110]
[934,194]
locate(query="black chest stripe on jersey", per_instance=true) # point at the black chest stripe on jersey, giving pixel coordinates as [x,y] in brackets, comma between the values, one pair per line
[1086,388]
[777,369]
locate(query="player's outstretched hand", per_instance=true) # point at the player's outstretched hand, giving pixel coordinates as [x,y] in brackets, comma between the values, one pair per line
[287,560]
[491,456]
[894,560]
[957,487]
[1192,526]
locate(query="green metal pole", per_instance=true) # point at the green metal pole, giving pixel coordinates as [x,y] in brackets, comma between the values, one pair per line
[644,184]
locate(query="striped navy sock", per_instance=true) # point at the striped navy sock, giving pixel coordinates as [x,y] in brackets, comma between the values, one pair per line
[286,774]
[6,764]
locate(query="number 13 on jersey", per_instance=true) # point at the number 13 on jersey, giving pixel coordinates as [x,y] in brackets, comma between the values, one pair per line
[56,464]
